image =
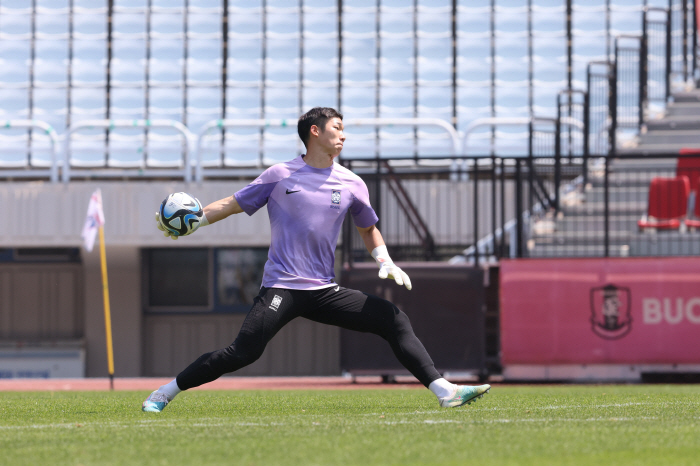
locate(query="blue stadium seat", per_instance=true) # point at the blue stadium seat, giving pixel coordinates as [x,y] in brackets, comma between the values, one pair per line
[13,147]
[128,102]
[319,97]
[434,20]
[244,72]
[166,103]
[473,72]
[359,22]
[511,21]
[245,25]
[320,23]
[625,18]
[203,105]
[88,104]
[283,24]
[396,142]
[435,102]
[281,102]
[396,102]
[51,106]
[243,102]
[321,72]
[396,23]
[512,101]
[127,148]
[361,141]
[549,21]
[280,145]
[168,25]
[242,147]
[164,148]
[282,72]
[359,102]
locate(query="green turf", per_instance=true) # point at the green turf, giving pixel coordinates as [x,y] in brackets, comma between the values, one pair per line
[528,425]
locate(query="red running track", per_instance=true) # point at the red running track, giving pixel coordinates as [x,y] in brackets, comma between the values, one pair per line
[224,383]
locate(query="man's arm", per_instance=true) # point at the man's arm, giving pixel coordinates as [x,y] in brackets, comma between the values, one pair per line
[374,242]
[219,210]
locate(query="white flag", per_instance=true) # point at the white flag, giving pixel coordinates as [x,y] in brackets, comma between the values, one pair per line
[95,219]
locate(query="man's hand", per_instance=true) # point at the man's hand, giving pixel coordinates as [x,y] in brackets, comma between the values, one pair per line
[391,270]
[160,226]
[387,268]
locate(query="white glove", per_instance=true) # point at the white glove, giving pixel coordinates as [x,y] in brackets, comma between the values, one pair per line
[165,231]
[387,268]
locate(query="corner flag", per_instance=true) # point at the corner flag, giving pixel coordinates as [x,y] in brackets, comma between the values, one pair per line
[94,223]
[95,219]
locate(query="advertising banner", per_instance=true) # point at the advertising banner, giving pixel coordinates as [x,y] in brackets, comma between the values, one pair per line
[600,311]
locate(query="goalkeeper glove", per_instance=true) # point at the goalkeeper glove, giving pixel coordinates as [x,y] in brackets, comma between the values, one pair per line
[202,223]
[387,268]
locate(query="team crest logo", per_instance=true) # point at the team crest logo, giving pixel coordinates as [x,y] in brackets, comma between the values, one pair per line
[611,311]
[275,304]
[335,196]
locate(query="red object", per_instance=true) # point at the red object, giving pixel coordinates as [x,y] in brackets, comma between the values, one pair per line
[600,311]
[690,167]
[668,203]
[695,222]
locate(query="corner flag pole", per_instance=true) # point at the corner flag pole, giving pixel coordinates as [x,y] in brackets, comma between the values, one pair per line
[108,317]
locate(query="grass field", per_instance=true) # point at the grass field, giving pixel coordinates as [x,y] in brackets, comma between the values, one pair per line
[528,425]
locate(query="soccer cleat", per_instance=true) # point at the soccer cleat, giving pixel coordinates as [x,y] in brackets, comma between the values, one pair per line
[155,402]
[465,395]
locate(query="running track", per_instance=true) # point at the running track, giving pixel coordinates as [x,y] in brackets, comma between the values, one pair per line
[224,383]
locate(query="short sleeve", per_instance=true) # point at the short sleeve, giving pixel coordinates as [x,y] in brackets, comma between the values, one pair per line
[362,212]
[254,196]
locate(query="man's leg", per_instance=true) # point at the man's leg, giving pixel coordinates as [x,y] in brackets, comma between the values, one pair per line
[354,310]
[273,309]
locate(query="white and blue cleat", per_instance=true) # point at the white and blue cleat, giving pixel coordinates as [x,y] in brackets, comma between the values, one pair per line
[465,395]
[155,402]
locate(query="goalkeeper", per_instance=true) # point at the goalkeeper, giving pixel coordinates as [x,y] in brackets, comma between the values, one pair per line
[307,199]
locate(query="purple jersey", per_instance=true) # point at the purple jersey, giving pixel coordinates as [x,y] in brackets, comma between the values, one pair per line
[306,206]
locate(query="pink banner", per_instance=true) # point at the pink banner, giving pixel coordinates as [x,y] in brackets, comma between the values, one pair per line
[596,311]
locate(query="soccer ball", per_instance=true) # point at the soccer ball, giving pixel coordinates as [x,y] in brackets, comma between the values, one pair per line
[180,214]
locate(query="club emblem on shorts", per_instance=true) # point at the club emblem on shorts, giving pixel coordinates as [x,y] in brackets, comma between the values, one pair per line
[335,196]
[275,304]
[611,308]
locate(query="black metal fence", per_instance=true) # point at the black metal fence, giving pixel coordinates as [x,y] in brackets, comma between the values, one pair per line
[490,208]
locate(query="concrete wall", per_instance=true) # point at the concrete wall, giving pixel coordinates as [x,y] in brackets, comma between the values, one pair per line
[45,214]
[124,273]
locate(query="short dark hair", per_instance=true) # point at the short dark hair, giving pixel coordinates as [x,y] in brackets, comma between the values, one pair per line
[318,116]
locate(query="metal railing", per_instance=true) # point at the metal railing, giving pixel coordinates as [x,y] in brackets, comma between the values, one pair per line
[184,169]
[31,170]
[222,170]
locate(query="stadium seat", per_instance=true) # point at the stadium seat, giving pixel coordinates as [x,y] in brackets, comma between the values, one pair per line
[243,102]
[245,25]
[690,167]
[166,103]
[319,97]
[668,204]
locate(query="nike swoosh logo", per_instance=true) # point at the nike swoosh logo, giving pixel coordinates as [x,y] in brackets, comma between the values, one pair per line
[292,192]
[191,204]
[337,288]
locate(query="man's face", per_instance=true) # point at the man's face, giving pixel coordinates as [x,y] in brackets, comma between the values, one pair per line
[332,138]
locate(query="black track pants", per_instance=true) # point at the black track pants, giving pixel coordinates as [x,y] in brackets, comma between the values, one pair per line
[350,309]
